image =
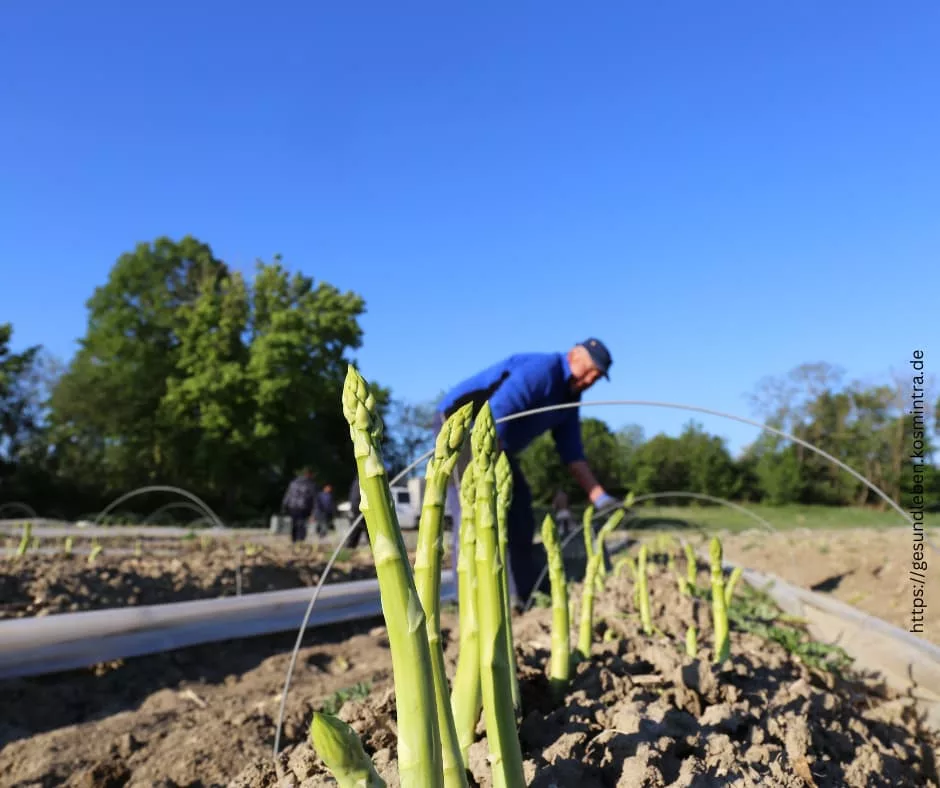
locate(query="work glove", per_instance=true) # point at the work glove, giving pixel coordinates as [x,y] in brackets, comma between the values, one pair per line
[605,503]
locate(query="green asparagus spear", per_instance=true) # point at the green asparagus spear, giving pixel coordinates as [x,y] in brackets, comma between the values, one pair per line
[732,582]
[588,531]
[340,749]
[466,699]
[419,743]
[643,592]
[586,631]
[719,607]
[560,666]
[691,641]
[502,736]
[68,545]
[691,566]
[503,501]
[450,442]
[26,539]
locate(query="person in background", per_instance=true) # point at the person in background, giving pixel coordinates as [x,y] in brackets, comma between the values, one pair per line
[323,512]
[355,498]
[514,385]
[560,512]
[298,503]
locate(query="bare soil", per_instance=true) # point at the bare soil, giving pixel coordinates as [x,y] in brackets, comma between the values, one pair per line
[639,712]
[38,585]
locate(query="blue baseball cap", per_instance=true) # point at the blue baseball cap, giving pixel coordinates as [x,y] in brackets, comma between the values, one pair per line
[599,354]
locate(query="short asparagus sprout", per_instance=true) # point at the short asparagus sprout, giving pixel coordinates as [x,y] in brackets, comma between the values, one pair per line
[586,629]
[341,751]
[588,531]
[732,582]
[420,762]
[691,641]
[499,714]
[466,699]
[560,665]
[503,501]
[643,592]
[691,567]
[606,530]
[719,606]
[26,539]
[450,442]
[138,549]
[68,545]
[625,563]
[96,550]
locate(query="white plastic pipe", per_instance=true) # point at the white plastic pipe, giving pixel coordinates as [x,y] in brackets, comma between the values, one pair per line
[34,646]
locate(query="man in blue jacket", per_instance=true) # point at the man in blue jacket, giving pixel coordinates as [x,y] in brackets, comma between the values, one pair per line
[520,383]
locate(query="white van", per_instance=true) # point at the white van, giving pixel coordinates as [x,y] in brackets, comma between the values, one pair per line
[407,500]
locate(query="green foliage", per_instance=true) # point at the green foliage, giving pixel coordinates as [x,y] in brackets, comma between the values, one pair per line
[358,691]
[190,374]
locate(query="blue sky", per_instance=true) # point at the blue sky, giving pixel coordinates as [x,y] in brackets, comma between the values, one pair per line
[720,191]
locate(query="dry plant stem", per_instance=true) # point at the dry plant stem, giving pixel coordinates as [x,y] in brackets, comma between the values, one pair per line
[503,500]
[466,699]
[341,751]
[496,682]
[719,606]
[450,443]
[643,592]
[419,744]
[560,665]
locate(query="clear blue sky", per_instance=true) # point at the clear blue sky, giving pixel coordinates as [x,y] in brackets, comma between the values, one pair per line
[720,191]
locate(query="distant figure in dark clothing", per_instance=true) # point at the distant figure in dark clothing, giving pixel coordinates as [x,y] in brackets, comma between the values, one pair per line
[298,504]
[355,498]
[323,512]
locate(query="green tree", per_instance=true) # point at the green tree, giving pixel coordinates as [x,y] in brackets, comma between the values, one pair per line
[191,375]
[19,408]
[546,474]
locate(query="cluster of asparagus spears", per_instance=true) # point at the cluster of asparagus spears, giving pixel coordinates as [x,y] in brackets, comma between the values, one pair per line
[437,726]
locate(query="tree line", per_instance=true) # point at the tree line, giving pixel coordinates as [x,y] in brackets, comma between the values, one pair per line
[869,427]
[190,374]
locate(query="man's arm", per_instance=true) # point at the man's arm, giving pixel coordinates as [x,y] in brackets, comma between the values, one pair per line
[567,437]
[586,480]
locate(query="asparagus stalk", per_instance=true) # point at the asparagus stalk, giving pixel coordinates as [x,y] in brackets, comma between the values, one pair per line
[503,501]
[496,683]
[586,631]
[612,522]
[96,549]
[466,699]
[691,641]
[340,749]
[560,665]
[25,540]
[732,582]
[719,607]
[419,743]
[450,442]
[643,592]
[68,545]
[691,566]
[588,531]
